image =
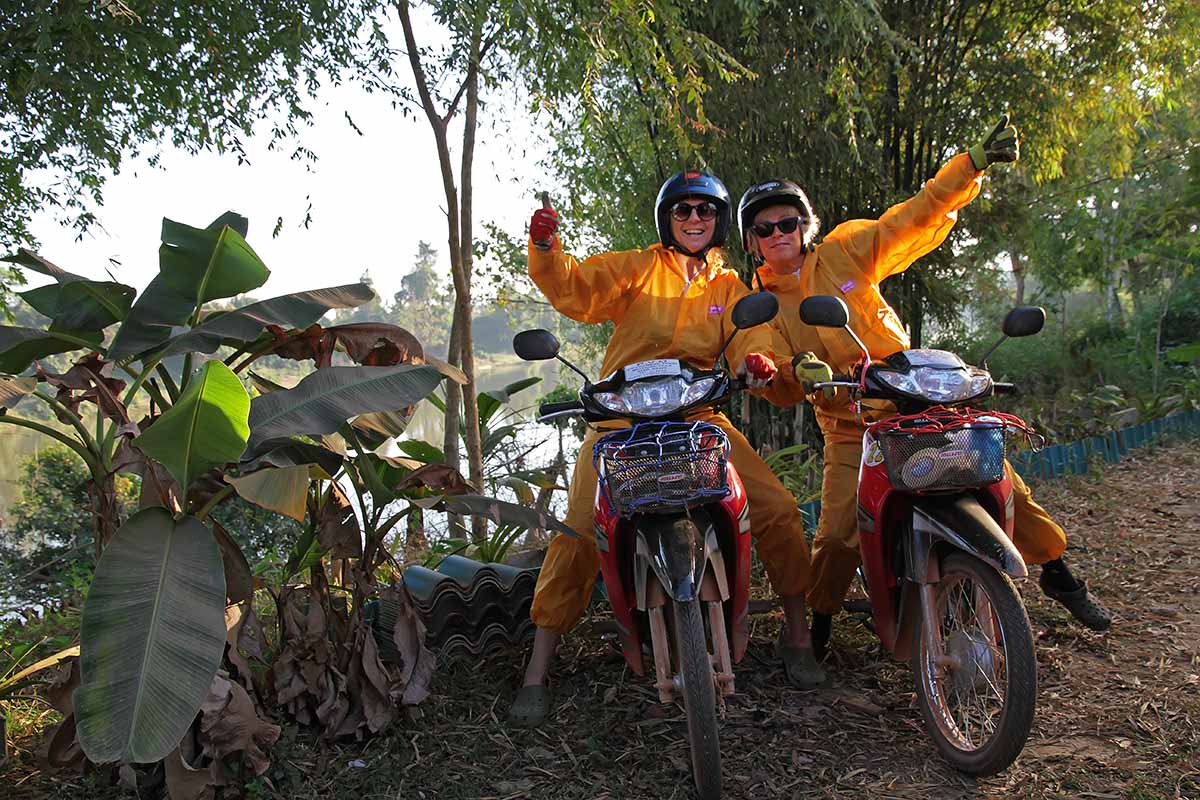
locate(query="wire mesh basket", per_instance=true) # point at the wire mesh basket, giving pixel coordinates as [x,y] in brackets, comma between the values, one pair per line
[662,466]
[964,456]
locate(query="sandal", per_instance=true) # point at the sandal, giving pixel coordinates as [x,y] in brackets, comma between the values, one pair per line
[1081,605]
[800,664]
[530,707]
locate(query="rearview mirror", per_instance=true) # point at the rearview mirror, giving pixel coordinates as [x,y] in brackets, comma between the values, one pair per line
[1024,321]
[755,309]
[538,344]
[825,311]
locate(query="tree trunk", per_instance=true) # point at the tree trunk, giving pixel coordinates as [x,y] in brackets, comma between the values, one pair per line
[453,396]
[450,419]
[455,239]
[415,540]
[467,257]
[1018,271]
[106,514]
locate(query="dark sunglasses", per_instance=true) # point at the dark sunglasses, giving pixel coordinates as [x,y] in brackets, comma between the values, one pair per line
[682,212]
[786,225]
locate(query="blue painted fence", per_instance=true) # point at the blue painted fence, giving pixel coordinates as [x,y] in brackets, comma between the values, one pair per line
[1073,458]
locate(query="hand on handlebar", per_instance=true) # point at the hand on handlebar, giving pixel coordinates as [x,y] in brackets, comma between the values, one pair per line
[757,370]
[811,370]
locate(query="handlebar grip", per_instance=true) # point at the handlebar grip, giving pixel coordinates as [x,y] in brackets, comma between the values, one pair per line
[546,409]
[1004,388]
[842,378]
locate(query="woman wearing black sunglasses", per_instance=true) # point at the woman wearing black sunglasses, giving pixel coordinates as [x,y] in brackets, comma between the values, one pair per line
[673,299]
[779,232]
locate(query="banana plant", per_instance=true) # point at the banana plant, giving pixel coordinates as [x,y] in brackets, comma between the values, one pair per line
[163,571]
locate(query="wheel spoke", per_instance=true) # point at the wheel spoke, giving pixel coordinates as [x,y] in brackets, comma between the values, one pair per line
[968,698]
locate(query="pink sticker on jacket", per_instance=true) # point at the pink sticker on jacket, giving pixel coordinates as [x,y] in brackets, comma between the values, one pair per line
[847,286]
[715,309]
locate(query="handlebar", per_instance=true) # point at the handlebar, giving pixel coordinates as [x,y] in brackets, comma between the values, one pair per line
[554,409]
[1004,388]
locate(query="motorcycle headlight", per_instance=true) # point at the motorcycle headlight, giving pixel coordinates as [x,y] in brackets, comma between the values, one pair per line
[938,385]
[698,390]
[652,398]
[612,401]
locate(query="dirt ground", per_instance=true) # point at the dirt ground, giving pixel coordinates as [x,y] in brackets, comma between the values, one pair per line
[1118,713]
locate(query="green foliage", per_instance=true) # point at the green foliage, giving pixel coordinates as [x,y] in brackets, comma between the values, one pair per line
[141,680]
[206,427]
[47,538]
[87,85]
[798,467]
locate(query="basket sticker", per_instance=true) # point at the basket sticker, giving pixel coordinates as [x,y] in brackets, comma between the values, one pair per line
[873,455]
[650,369]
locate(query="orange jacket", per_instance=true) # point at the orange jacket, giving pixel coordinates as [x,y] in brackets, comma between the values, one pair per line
[851,262]
[657,311]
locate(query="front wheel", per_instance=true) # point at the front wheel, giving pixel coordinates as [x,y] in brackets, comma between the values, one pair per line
[977,694]
[699,699]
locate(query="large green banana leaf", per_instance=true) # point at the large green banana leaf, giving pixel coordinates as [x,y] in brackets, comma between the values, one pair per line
[288,452]
[205,428]
[325,399]
[194,266]
[151,638]
[73,302]
[20,347]
[298,310]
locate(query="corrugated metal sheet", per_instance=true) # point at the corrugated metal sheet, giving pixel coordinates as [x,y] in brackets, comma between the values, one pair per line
[470,608]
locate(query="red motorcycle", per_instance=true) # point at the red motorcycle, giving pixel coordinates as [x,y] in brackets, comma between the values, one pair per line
[672,525]
[935,524]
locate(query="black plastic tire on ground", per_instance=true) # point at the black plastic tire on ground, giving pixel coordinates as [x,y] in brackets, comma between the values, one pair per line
[1007,739]
[699,699]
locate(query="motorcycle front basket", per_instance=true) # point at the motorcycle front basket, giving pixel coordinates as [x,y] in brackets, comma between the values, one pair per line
[662,466]
[965,456]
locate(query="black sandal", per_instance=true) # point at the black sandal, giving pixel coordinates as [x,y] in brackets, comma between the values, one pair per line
[1082,606]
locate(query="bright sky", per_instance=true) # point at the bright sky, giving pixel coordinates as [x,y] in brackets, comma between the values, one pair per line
[373,196]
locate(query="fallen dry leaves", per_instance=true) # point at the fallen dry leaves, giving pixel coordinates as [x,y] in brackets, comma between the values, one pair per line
[1118,713]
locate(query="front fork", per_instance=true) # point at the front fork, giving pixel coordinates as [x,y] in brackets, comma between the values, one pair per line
[652,598]
[931,626]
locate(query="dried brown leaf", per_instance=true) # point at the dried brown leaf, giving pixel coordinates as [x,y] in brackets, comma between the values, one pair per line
[230,726]
[338,530]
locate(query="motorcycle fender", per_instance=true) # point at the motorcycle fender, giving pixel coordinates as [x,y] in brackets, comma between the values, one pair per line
[910,618]
[961,522]
[673,549]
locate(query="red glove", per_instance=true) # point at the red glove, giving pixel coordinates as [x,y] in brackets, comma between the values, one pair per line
[759,369]
[543,226]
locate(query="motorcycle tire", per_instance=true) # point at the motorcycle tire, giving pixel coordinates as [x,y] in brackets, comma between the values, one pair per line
[1010,642]
[699,699]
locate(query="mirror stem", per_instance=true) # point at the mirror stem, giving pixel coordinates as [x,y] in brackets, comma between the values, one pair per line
[858,342]
[586,382]
[721,352]
[992,349]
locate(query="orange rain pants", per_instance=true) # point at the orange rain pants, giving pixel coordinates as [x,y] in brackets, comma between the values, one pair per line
[835,554]
[569,572]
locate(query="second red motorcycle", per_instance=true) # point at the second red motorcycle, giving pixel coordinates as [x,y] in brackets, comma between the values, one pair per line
[935,525]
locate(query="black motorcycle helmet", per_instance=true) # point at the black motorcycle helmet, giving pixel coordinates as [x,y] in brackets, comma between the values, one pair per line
[693,183]
[773,193]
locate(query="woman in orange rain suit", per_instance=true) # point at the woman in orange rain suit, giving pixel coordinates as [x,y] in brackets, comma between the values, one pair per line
[778,228]
[671,300]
